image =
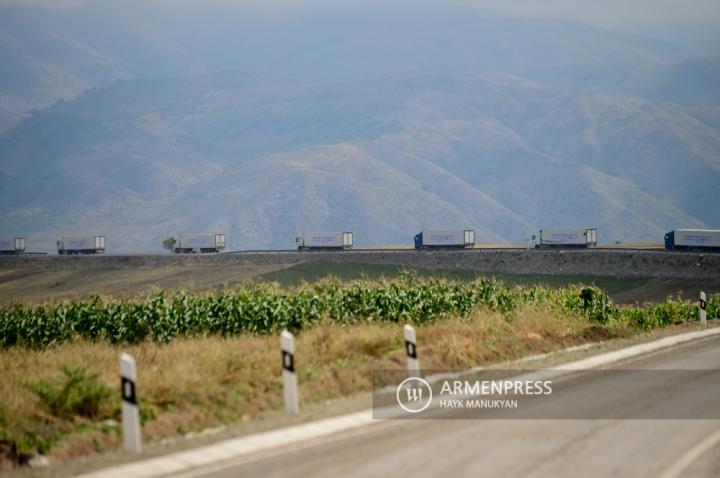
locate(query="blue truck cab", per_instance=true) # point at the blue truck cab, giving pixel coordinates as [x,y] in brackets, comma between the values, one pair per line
[418,241]
[670,240]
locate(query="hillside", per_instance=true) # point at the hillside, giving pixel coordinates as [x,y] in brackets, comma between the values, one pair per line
[263,126]
[144,159]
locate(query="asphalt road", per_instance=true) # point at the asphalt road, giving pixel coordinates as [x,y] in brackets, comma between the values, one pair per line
[522,447]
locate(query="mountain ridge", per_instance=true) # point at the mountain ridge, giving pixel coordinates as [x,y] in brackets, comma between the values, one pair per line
[150,122]
[415,153]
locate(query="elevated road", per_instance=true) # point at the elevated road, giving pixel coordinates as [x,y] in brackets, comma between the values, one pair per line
[600,262]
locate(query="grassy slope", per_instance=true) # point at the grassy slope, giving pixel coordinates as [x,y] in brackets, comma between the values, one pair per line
[28,285]
[312,271]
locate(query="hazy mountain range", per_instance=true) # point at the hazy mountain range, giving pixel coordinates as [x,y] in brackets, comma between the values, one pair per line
[379,122]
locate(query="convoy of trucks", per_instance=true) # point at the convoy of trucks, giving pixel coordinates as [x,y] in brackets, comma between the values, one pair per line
[199,243]
[12,245]
[564,238]
[460,239]
[81,245]
[324,241]
[692,240]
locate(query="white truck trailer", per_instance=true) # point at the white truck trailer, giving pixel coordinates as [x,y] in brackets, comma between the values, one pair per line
[81,245]
[12,245]
[323,241]
[565,238]
[199,243]
[700,240]
[460,239]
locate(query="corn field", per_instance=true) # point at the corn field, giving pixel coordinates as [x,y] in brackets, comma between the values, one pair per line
[264,309]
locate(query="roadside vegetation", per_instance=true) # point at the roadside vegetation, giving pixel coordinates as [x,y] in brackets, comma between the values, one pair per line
[211,359]
[309,272]
[266,309]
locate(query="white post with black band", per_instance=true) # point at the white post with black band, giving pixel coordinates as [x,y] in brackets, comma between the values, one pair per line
[130,410]
[703,307]
[411,351]
[290,386]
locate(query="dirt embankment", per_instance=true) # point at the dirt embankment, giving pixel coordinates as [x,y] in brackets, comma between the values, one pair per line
[618,263]
[32,284]
[41,278]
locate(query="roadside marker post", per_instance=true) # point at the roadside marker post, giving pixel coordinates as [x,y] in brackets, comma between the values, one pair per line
[130,409]
[290,386]
[703,307]
[411,351]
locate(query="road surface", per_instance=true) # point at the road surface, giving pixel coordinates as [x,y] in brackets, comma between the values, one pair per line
[463,447]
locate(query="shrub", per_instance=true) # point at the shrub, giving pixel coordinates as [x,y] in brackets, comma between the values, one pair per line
[75,394]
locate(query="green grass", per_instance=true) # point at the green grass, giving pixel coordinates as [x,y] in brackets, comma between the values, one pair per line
[610,285]
[310,272]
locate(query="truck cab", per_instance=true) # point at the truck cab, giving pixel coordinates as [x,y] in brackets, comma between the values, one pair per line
[418,241]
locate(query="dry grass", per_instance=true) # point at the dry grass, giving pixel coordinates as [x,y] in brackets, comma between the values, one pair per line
[191,384]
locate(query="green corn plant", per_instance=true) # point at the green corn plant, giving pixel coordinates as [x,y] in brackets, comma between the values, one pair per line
[262,309]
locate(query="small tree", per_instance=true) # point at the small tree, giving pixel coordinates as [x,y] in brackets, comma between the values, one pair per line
[169,243]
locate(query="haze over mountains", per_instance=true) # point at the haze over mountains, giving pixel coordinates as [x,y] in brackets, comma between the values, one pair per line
[380,121]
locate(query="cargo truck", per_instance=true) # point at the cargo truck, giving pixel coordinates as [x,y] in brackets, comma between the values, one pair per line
[199,243]
[697,240]
[565,238]
[81,245]
[12,245]
[461,239]
[324,241]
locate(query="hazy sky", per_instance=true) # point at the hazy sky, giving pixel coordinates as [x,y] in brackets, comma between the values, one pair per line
[693,24]
[605,13]
[614,12]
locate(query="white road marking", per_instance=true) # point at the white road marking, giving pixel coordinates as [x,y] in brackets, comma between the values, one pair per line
[689,457]
[636,350]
